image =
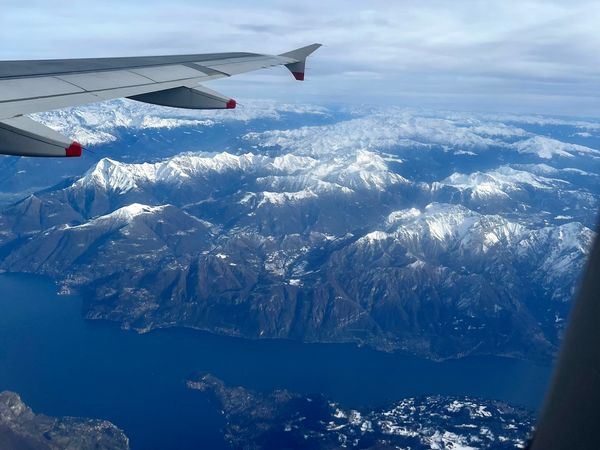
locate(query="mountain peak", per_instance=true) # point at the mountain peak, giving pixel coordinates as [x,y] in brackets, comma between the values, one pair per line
[123,216]
[109,174]
[547,148]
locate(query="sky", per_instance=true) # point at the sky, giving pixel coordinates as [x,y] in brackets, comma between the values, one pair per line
[494,55]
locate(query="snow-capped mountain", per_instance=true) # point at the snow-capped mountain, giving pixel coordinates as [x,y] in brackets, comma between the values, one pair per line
[547,148]
[100,122]
[525,193]
[442,235]
[400,128]
[503,182]
[135,235]
[130,131]
[361,171]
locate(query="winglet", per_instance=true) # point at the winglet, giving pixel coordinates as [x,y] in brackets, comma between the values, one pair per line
[300,54]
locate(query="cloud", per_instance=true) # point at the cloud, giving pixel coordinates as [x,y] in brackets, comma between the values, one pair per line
[510,55]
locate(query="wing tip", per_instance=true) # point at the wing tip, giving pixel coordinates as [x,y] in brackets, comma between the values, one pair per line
[299,55]
[302,53]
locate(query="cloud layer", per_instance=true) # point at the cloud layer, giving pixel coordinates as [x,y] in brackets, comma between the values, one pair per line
[538,56]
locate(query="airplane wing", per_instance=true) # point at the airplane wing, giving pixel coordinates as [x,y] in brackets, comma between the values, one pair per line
[34,86]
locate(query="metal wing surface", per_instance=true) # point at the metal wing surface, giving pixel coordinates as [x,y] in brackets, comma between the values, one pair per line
[33,86]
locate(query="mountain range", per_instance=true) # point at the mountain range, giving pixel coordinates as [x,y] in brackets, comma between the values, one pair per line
[442,235]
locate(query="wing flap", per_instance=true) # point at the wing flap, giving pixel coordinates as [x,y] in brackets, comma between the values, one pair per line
[198,97]
[23,136]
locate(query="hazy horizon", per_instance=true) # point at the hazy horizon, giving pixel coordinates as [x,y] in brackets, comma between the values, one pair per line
[509,56]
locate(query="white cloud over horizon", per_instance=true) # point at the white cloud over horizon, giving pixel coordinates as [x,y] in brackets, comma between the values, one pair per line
[512,56]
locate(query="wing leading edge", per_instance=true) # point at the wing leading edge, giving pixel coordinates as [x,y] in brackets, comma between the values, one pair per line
[34,86]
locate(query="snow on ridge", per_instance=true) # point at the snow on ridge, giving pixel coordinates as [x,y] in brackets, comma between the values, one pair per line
[377,131]
[547,148]
[193,164]
[562,247]
[481,185]
[375,236]
[281,198]
[121,216]
[98,123]
[538,169]
[536,119]
[438,221]
[111,174]
[362,170]
[170,123]
[133,210]
[397,216]
[568,236]
[114,175]
[289,173]
[443,222]
[447,223]
[367,171]
[440,227]
[498,182]
[373,129]
[498,129]
[387,129]
[291,163]
[546,170]
[447,439]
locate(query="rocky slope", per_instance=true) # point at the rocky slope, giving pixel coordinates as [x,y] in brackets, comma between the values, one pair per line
[21,429]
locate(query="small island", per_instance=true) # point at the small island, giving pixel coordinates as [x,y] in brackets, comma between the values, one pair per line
[283,419]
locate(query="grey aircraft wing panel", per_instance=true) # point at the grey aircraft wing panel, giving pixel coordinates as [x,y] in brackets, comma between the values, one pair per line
[34,86]
[294,61]
[47,93]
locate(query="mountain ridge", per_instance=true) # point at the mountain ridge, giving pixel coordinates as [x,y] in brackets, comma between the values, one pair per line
[430,235]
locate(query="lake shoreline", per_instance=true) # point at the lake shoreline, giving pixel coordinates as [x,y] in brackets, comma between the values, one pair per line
[64,365]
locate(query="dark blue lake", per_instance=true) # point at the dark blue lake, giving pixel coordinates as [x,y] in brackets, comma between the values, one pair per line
[63,365]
